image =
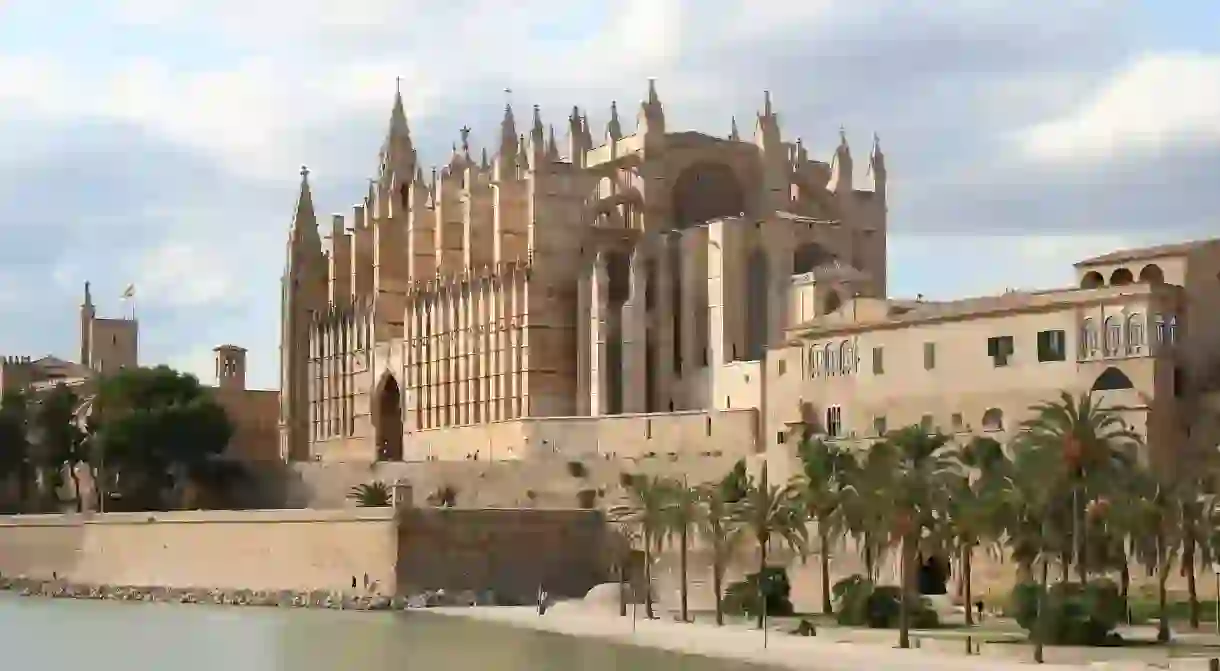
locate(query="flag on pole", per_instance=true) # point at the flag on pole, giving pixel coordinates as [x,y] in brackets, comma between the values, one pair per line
[130,291]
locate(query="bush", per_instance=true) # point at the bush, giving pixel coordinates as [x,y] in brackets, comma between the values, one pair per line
[741,598]
[1074,615]
[859,603]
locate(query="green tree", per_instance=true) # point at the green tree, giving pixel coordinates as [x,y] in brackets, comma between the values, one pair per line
[648,513]
[1095,445]
[1159,540]
[720,531]
[374,494]
[157,429]
[770,512]
[825,470]
[15,443]
[57,445]
[682,515]
[975,506]
[921,468]
[866,508]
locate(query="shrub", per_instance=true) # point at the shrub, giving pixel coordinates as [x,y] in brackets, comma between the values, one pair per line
[1074,615]
[443,497]
[376,494]
[577,469]
[586,498]
[858,602]
[741,598]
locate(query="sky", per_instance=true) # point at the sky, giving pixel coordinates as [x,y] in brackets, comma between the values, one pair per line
[159,142]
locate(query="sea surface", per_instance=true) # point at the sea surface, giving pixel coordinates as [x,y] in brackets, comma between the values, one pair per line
[74,635]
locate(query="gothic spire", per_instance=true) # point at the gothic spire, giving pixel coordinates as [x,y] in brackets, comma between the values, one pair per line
[614,129]
[733,134]
[508,133]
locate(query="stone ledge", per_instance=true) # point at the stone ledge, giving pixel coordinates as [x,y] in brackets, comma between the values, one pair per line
[317,599]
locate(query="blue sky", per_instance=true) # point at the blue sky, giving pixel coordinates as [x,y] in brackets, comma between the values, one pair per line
[158,141]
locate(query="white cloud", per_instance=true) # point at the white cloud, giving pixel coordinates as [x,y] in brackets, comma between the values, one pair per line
[1159,101]
[184,275]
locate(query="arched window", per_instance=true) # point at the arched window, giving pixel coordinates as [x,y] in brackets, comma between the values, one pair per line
[1159,320]
[1114,335]
[832,360]
[1088,338]
[1135,333]
[847,358]
[815,361]
[1172,334]
[993,420]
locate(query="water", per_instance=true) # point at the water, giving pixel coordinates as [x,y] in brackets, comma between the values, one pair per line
[113,636]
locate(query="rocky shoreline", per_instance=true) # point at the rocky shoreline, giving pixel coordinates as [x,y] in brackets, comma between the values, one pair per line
[318,599]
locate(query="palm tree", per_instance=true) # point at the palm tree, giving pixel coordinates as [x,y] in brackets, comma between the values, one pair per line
[1193,512]
[865,508]
[771,512]
[1159,541]
[975,507]
[922,466]
[1095,444]
[682,514]
[648,513]
[825,469]
[375,494]
[1026,506]
[718,528]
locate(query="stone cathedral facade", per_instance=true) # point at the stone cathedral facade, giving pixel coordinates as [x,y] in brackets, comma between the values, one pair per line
[618,275]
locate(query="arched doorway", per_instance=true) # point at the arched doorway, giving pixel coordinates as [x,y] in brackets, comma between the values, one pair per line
[389,420]
[933,577]
[1112,379]
[705,191]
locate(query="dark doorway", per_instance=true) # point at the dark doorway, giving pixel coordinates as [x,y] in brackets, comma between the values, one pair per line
[933,576]
[389,421]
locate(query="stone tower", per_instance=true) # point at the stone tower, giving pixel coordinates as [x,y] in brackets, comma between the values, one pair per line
[304,287]
[230,367]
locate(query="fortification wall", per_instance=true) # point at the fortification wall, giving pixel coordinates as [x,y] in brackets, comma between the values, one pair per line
[509,551]
[261,550]
[537,483]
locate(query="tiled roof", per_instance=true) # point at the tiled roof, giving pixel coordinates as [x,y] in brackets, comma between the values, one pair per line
[1136,254]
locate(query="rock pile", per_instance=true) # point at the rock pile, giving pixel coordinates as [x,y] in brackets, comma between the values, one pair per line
[60,589]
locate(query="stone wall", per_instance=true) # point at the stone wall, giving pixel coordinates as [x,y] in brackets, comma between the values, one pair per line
[508,551]
[259,550]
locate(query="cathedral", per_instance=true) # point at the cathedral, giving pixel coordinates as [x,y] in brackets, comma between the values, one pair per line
[630,274]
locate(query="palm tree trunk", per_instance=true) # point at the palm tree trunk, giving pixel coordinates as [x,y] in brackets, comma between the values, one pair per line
[622,587]
[1041,621]
[648,611]
[967,552]
[682,571]
[904,621]
[1192,589]
[717,578]
[1124,588]
[827,607]
[80,505]
[1162,629]
[762,569]
[868,556]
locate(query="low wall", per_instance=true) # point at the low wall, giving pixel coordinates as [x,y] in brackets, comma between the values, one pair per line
[258,550]
[509,551]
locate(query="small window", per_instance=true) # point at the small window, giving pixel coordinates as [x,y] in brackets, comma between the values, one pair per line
[1135,334]
[929,355]
[1114,335]
[834,421]
[1000,349]
[993,420]
[878,361]
[707,426]
[926,423]
[957,421]
[779,437]
[648,429]
[879,426]
[781,366]
[1052,345]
